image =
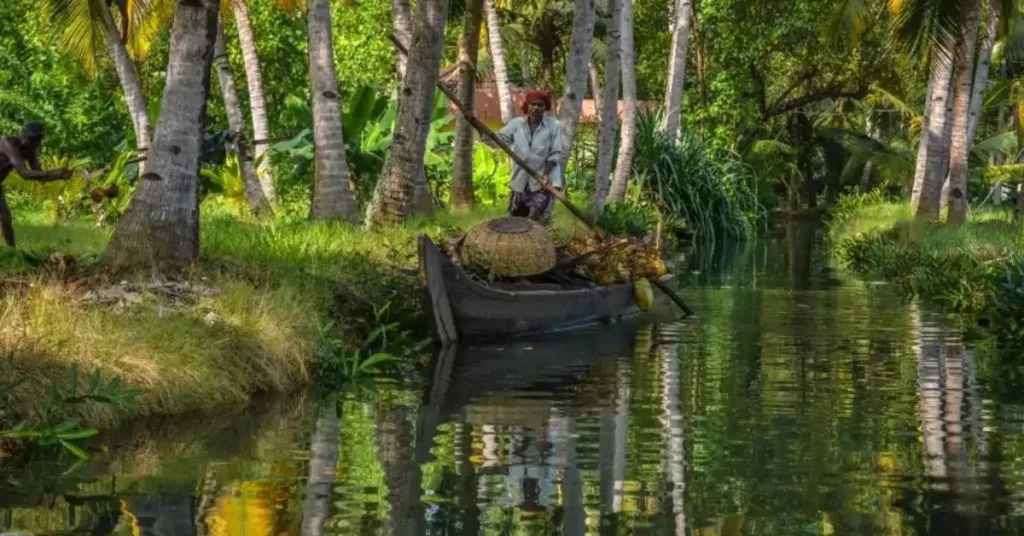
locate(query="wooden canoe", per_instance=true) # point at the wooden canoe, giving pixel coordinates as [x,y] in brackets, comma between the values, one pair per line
[466,310]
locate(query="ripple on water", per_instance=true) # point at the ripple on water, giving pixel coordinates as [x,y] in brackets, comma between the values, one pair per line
[836,410]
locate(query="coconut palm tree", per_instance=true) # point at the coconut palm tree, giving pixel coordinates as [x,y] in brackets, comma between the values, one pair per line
[595,88]
[161,225]
[627,148]
[254,81]
[609,107]
[497,51]
[462,168]
[84,26]
[577,68]
[963,76]
[967,108]
[677,67]
[258,203]
[332,198]
[401,21]
[935,28]
[403,169]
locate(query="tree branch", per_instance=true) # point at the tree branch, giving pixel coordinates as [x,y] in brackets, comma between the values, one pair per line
[832,92]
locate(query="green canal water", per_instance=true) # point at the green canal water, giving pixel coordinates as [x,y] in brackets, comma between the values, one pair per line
[800,401]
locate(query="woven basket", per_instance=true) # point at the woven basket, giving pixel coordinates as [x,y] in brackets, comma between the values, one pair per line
[510,247]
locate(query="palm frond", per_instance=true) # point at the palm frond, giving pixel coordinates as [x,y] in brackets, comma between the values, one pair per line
[851,20]
[927,27]
[883,97]
[149,18]
[77,27]
[1004,145]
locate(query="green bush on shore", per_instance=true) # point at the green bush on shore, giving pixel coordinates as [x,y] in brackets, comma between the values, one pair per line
[975,270]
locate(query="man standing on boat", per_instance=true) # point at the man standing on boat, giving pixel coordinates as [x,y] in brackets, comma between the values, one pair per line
[537,139]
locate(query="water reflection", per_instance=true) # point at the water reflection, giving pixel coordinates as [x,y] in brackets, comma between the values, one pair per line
[796,404]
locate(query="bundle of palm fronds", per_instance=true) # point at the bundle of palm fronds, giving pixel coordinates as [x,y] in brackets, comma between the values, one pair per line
[616,260]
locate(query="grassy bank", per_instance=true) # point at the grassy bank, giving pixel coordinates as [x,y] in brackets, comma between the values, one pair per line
[975,270]
[267,308]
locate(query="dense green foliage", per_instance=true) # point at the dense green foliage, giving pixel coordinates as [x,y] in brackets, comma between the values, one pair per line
[975,270]
[700,188]
[774,75]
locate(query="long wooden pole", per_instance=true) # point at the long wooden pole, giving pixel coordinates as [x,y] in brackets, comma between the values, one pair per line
[486,131]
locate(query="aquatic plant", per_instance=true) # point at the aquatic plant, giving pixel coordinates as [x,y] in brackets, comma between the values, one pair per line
[386,343]
[50,426]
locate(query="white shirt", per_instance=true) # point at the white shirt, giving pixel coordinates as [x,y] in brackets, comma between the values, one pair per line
[536,149]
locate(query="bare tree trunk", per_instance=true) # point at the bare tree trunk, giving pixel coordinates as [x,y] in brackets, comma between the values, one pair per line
[462,168]
[865,174]
[401,20]
[961,105]
[393,196]
[508,109]
[937,155]
[677,68]
[128,74]
[935,79]
[236,122]
[160,228]
[331,196]
[323,465]
[595,89]
[609,107]
[981,73]
[526,67]
[576,72]
[628,147]
[257,102]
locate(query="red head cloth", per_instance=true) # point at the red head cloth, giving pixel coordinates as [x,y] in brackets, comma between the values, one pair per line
[534,95]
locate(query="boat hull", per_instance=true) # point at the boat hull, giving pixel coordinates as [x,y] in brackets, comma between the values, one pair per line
[467,310]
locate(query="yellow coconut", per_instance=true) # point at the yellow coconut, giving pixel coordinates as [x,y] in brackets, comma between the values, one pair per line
[643,294]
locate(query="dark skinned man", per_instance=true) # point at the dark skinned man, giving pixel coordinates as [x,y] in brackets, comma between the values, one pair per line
[21,153]
[537,139]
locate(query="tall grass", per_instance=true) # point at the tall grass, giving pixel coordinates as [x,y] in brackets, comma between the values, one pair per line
[277,285]
[698,188]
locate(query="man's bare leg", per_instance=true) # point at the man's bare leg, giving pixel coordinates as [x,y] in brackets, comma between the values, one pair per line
[6,222]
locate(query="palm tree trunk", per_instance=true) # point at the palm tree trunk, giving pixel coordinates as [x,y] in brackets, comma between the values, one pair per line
[865,174]
[935,79]
[609,107]
[257,102]
[981,73]
[595,88]
[576,72]
[497,46]
[323,465]
[401,21]
[393,195]
[253,189]
[625,164]
[526,67]
[677,68]
[161,225]
[937,153]
[331,196]
[462,169]
[960,145]
[128,74]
